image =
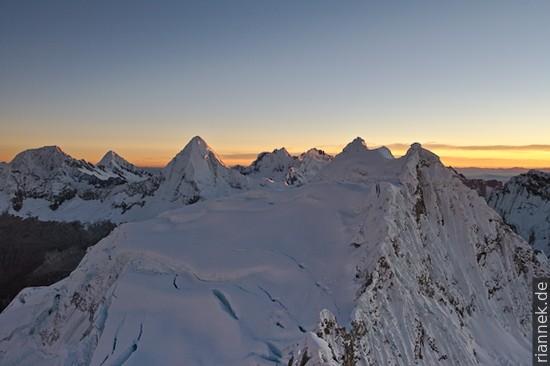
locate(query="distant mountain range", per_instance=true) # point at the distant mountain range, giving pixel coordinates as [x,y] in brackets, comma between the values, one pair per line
[312,260]
[51,185]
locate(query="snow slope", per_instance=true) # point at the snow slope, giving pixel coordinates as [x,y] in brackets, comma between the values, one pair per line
[524,203]
[379,261]
[116,165]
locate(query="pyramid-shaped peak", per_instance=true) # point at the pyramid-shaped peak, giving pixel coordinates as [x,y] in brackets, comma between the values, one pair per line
[109,158]
[195,151]
[199,142]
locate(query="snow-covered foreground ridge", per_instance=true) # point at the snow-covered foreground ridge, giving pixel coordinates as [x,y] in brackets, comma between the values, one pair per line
[376,261]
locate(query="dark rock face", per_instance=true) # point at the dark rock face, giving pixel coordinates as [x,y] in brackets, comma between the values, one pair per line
[484,188]
[40,253]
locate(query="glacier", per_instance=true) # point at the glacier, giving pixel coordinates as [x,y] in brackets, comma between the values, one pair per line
[376,260]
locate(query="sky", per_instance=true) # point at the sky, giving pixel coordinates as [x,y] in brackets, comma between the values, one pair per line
[470,80]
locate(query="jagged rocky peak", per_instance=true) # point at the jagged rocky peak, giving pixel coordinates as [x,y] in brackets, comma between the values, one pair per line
[276,155]
[524,203]
[313,152]
[273,166]
[309,165]
[536,182]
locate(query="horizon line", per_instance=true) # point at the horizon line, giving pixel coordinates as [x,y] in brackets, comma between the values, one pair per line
[233,159]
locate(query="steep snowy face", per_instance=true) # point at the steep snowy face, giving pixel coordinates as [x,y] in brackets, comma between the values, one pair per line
[445,280]
[400,265]
[309,165]
[197,172]
[273,166]
[524,203]
[48,173]
[116,165]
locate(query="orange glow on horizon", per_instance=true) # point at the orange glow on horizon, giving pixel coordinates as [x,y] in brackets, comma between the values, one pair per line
[456,156]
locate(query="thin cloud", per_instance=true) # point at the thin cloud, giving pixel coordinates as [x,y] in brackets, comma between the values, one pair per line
[476,147]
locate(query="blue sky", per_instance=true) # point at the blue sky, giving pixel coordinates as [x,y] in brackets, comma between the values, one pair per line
[143,77]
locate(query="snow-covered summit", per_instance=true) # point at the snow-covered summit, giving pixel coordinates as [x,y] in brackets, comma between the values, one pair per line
[50,184]
[358,145]
[45,162]
[272,165]
[110,158]
[358,163]
[197,172]
[309,165]
[118,166]
[51,175]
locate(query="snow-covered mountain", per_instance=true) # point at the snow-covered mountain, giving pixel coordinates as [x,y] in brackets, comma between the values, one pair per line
[524,203]
[51,185]
[309,165]
[273,166]
[197,173]
[50,175]
[377,261]
[116,165]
